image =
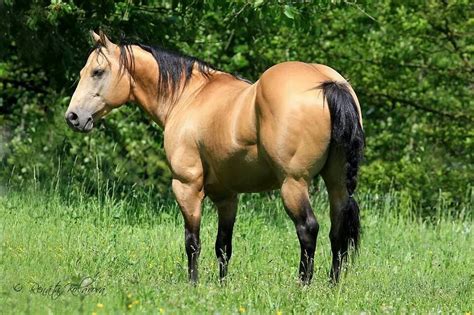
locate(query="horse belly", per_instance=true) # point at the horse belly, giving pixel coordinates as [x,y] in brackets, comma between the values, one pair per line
[243,171]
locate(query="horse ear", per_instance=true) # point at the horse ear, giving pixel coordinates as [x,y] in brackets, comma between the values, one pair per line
[105,41]
[95,37]
[101,39]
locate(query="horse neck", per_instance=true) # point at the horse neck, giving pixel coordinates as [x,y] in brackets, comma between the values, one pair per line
[145,82]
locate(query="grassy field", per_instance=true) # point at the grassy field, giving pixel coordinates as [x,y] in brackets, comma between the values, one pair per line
[128,255]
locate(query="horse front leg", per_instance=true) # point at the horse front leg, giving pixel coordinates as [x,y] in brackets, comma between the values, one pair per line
[189,197]
[227,211]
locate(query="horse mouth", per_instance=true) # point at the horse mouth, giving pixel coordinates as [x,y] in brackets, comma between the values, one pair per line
[88,126]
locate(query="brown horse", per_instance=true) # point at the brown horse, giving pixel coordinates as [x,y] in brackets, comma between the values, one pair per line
[224,136]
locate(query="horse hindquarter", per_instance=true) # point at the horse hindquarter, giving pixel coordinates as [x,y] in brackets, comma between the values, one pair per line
[295,133]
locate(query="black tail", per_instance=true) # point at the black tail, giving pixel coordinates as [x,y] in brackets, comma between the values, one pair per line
[346,129]
[347,133]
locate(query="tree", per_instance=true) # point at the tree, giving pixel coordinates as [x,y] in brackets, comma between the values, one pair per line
[408,62]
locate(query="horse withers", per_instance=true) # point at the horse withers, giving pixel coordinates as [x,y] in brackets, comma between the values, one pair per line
[224,136]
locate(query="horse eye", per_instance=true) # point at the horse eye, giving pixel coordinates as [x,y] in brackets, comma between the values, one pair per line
[97,72]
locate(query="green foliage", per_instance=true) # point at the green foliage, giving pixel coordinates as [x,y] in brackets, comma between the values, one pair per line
[409,62]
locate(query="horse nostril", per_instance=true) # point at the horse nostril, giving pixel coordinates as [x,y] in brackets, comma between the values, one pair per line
[72,116]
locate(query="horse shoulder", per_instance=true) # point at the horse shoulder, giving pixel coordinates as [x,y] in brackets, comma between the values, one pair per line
[182,152]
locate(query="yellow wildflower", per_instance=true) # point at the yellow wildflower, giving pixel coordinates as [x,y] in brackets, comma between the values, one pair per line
[100,305]
[242,309]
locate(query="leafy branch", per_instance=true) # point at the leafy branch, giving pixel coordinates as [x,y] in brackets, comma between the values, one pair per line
[418,106]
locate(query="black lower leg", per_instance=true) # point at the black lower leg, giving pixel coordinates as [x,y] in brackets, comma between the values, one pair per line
[224,247]
[227,211]
[344,234]
[307,231]
[339,254]
[193,249]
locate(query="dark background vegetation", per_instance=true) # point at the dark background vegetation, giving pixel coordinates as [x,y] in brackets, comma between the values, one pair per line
[409,62]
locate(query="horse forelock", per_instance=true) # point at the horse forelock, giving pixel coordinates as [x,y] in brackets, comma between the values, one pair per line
[98,50]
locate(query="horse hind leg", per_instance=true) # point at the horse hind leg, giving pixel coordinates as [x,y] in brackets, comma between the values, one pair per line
[296,200]
[344,212]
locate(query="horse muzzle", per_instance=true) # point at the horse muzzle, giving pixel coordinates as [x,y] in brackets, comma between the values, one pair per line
[79,122]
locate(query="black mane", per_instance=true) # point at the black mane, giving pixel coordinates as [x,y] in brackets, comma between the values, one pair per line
[172,67]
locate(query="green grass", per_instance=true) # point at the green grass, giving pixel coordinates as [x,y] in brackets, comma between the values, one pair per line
[133,247]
